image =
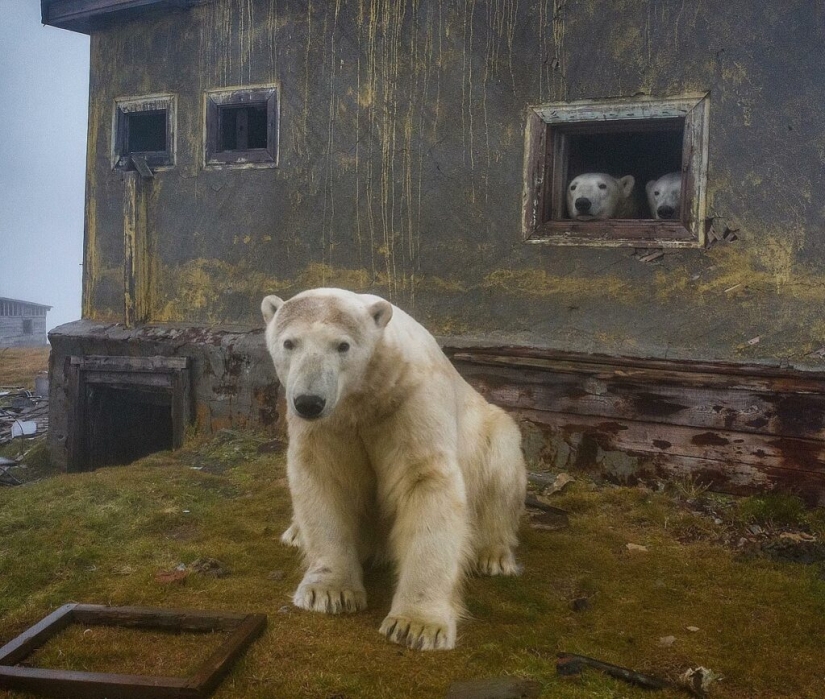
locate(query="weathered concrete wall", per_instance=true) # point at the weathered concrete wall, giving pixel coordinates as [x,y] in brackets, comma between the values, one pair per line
[233,382]
[401,149]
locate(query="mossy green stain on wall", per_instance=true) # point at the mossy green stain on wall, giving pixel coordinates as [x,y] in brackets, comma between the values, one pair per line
[401,162]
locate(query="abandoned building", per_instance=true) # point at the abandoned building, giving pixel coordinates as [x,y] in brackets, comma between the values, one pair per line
[420,150]
[22,323]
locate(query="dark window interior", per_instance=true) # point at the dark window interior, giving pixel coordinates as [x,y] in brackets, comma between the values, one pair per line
[27,326]
[125,424]
[243,127]
[146,132]
[647,155]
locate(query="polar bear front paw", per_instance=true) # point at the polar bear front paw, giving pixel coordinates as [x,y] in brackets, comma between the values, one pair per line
[418,634]
[329,599]
[497,560]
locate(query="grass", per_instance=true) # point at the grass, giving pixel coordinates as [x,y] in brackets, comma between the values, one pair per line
[103,537]
[20,365]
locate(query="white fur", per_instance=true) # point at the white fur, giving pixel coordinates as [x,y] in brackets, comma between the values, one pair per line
[608,197]
[407,462]
[665,192]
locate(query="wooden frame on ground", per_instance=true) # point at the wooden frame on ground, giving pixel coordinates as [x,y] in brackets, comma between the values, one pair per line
[245,629]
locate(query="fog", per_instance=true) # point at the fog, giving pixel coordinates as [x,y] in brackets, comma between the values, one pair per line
[44,87]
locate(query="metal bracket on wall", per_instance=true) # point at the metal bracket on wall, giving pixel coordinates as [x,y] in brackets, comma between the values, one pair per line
[142,167]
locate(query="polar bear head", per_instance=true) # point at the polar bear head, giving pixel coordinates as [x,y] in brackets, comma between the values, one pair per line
[595,195]
[321,342]
[665,195]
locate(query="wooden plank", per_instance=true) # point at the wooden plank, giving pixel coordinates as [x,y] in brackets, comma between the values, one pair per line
[119,363]
[676,372]
[215,668]
[32,638]
[629,109]
[726,475]
[718,408]
[645,439]
[146,617]
[131,380]
[93,685]
[532,203]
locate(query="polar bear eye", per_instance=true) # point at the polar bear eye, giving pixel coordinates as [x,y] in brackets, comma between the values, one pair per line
[656,194]
[602,186]
[343,347]
[572,188]
[289,345]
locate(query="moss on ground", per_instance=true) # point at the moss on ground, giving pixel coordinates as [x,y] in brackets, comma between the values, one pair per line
[105,537]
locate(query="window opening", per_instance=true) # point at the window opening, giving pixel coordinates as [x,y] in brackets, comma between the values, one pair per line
[619,172]
[242,127]
[27,326]
[144,127]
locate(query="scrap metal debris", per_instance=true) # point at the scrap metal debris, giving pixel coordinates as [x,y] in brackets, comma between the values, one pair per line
[548,518]
[697,681]
[22,413]
[572,664]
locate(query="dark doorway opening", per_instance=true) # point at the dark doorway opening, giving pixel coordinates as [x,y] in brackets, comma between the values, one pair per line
[125,408]
[126,424]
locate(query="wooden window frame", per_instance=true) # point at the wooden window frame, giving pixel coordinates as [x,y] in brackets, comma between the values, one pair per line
[546,157]
[124,107]
[215,101]
[245,628]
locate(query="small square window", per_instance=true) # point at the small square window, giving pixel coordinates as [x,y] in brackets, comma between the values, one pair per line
[242,127]
[622,147]
[145,127]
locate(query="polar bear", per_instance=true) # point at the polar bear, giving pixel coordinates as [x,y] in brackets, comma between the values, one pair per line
[596,195]
[392,455]
[664,196]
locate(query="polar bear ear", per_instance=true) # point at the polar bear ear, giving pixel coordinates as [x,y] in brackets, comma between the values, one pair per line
[381,312]
[270,306]
[626,183]
[649,187]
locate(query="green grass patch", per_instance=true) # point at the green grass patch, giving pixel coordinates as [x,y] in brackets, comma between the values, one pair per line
[103,537]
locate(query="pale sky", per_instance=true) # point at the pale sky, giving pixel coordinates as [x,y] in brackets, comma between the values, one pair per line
[44,91]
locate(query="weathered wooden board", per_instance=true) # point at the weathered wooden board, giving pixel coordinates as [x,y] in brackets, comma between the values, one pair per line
[741,429]
[615,396]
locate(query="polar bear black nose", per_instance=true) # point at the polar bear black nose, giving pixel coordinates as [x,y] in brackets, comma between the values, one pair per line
[665,211]
[583,204]
[309,406]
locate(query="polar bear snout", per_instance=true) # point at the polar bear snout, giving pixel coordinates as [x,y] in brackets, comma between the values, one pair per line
[309,406]
[665,211]
[583,205]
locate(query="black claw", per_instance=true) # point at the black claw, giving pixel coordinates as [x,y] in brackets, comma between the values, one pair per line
[312,598]
[391,629]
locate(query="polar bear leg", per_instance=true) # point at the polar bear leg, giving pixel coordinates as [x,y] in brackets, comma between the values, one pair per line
[328,524]
[502,499]
[429,543]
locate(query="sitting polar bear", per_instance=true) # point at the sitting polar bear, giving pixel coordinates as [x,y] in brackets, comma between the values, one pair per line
[664,195]
[596,195]
[391,455]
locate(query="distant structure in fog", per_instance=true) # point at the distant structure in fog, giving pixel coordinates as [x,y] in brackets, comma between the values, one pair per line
[22,323]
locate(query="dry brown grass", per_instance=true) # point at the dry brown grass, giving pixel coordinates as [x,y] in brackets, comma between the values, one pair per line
[19,365]
[101,538]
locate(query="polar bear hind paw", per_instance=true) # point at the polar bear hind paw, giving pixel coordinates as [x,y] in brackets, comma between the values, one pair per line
[328,599]
[497,560]
[418,634]
[292,536]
